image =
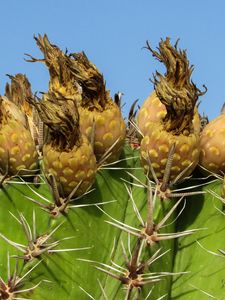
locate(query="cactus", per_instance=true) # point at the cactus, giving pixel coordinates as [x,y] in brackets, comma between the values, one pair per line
[84,239]
[127,235]
[205,212]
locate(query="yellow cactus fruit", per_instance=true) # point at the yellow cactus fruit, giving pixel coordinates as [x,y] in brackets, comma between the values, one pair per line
[109,130]
[153,110]
[71,167]
[18,92]
[173,123]
[18,153]
[212,145]
[67,153]
[100,117]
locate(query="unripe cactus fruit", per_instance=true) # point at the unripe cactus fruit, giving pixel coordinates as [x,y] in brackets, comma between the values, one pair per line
[177,92]
[153,110]
[212,145]
[109,130]
[67,153]
[18,153]
[19,91]
[100,116]
[71,168]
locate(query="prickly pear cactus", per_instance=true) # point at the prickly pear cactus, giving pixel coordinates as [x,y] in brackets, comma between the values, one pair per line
[106,243]
[129,234]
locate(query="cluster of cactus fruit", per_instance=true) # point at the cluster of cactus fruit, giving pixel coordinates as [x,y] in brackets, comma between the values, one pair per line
[94,208]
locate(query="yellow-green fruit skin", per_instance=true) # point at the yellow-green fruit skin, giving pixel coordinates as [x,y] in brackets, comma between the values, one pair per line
[153,110]
[109,127]
[71,167]
[17,149]
[212,144]
[156,145]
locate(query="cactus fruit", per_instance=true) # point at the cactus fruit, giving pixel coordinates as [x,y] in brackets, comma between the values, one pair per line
[19,91]
[67,154]
[212,145]
[99,114]
[18,153]
[100,117]
[153,110]
[177,92]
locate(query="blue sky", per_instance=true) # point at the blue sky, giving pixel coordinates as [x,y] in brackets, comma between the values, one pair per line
[113,33]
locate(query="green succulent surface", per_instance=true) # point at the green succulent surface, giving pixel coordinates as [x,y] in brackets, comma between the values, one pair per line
[88,239]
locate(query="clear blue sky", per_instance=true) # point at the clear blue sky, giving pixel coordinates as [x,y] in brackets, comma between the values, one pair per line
[112,33]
